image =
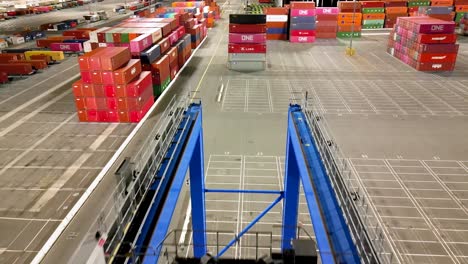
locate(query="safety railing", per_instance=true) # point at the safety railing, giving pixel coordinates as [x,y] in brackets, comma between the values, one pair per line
[370,239]
[118,212]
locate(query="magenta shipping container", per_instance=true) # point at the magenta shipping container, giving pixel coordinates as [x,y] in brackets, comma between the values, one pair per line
[302,12]
[247,38]
[327,11]
[141,43]
[73,47]
[173,37]
[304,39]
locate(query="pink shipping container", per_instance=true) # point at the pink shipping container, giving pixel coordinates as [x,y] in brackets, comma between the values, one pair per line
[180,32]
[302,12]
[247,38]
[305,39]
[173,37]
[327,10]
[73,47]
[141,43]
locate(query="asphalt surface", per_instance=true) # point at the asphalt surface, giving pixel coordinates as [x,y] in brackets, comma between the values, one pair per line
[403,132]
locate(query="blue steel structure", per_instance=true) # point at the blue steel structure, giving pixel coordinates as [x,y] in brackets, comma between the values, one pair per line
[303,164]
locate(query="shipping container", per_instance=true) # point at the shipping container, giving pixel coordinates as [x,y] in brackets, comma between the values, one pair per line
[247,19]
[36,64]
[149,55]
[66,47]
[110,59]
[246,28]
[84,60]
[127,73]
[17,69]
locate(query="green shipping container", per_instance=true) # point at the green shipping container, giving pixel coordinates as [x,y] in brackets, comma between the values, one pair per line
[459,16]
[418,3]
[124,38]
[109,38]
[373,22]
[158,89]
[372,26]
[373,10]
[348,34]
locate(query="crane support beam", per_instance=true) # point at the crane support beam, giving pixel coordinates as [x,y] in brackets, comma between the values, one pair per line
[304,164]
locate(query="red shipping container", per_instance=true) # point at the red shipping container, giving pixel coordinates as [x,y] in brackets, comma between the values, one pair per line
[16,69]
[98,90]
[128,72]
[137,115]
[172,55]
[92,115]
[108,77]
[111,103]
[80,103]
[124,116]
[189,23]
[96,77]
[180,32]
[437,38]
[88,90]
[161,66]
[109,90]
[174,70]
[165,45]
[371,4]
[86,77]
[77,88]
[429,66]
[96,103]
[300,33]
[302,5]
[112,116]
[247,28]
[437,57]
[84,61]
[111,59]
[437,48]
[136,87]
[247,48]
[135,103]
[82,116]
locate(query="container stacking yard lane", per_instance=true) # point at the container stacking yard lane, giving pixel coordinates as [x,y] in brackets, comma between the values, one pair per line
[247,42]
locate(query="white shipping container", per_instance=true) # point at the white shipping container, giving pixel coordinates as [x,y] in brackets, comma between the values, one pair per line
[3,45]
[17,40]
[93,34]
[277,18]
[87,46]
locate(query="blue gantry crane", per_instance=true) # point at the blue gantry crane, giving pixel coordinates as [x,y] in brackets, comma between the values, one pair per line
[337,242]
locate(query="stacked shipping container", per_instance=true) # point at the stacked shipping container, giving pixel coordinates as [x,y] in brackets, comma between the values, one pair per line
[277,22]
[424,43]
[373,14]
[247,42]
[349,19]
[461,9]
[394,10]
[302,25]
[326,24]
[440,12]
[413,6]
[113,87]
[463,29]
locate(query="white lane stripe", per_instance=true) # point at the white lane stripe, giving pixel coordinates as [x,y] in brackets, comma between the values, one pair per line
[33,113]
[186,222]
[23,106]
[68,174]
[39,83]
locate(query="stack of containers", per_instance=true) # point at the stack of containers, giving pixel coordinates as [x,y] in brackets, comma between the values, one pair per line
[440,12]
[349,19]
[461,9]
[326,24]
[277,22]
[247,42]
[113,87]
[463,25]
[373,14]
[413,6]
[394,10]
[302,26]
[426,44]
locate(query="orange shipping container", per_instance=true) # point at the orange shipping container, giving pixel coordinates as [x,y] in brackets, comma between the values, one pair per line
[277,37]
[349,28]
[276,11]
[349,16]
[442,3]
[396,10]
